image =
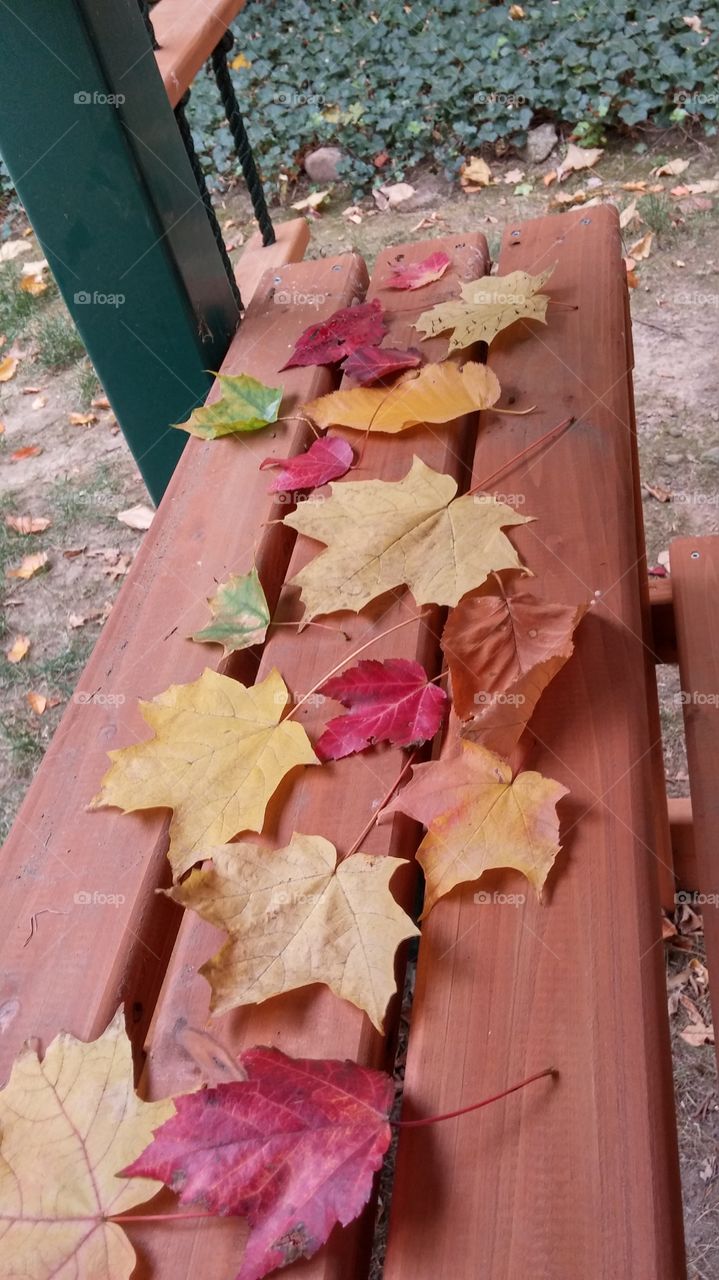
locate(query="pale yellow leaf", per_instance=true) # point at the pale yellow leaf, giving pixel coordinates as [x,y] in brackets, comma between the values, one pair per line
[139,517]
[8,368]
[439,393]
[295,917]
[487,306]
[36,701]
[478,819]
[383,534]
[475,174]
[218,755]
[670,170]
[29,566]
[27,524]
[69,1124]
[628,214]
[578,158]
[18,649]
[641,248]
[312,201]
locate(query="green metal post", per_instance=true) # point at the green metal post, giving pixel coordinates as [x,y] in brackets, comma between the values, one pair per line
[92,146]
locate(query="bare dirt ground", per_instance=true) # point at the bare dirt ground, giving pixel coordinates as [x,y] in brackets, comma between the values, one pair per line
[84,476]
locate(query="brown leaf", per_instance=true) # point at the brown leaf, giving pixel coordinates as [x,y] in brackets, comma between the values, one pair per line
[139,517]
[8,368]
[37,702]
[81,419]
[29,566]
[18,649]
[27,524]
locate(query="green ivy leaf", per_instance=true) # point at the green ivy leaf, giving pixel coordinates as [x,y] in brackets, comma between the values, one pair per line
[239,612]
[246,405]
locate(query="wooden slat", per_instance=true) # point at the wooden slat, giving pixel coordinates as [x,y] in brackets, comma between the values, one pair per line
[82,960]
[187,32]
[334,801]
[695,575]
[292,238]
[576,1177]
[664,640]
[681,825]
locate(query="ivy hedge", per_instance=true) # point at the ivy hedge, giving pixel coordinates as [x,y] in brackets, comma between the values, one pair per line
[424,81]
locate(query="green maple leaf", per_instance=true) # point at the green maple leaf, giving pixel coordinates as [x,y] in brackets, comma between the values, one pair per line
[240,616]
[246,405]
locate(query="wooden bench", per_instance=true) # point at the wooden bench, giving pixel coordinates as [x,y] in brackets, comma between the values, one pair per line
[578,1178]
[187,33]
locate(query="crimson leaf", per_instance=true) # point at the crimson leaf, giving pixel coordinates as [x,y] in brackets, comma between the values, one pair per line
[331,340]
[389,701]
[326,459]
[369,364]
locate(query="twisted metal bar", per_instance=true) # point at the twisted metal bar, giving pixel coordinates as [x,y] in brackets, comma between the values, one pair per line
[186,135]
[241,140]
[145,11]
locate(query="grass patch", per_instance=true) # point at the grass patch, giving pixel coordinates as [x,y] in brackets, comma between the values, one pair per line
[95,498]
[17,308]
[658,215]
[60,345]
[87,384]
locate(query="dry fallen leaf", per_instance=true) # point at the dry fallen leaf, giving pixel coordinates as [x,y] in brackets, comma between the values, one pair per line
[642,248]
[12,249]
[478,818]
[578,158]
[139,517]
[438,393]
[36,701]
[312,201]
[383,534]
[218,755]
[29,566]
[8,368]
[27,451]
[475,174]
[488,305]
[670,170]
[69,1124]
[392,195]
[628,214]
[568,198]
[39,402]
[240,615]
[297,916]
[18,649]
[27,524]
[502,652]
[81,419]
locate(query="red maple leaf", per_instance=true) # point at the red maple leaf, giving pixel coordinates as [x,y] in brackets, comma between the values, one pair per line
[389,701]
[293,1149]
[369,364]
[326,459]
[417,274]
[331,340]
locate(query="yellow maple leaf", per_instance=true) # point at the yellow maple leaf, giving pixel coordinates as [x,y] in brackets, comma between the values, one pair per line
[439,393]
[69,1124]
[298,916]
[219,753]
[478,819]
[381,534]
[486,307]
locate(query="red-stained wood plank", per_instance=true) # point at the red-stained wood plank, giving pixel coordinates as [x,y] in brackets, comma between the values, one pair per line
[681,826]
[334,801]
[695,578]
[67,963]
[187,32]
[578,1176]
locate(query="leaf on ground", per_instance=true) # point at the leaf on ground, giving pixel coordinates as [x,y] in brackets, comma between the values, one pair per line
[218,755]
[293,1149]
[502,652]
[8,368]
[671,169]
[69,1124]
[27,451]
[371,364]
[29,566]
[18,649]
[439,393]
[475,174]
[417,274]
[382,534]
[628,214]
[27,524]
[390,701]
[12,249]
[641,248]
[487,306]
[331,340]
[138,517]
[578,158]
[325,460]
[240,616]
[37,702]
[478,819]
[297,916]
[312,201]
[392,194]
[246,405]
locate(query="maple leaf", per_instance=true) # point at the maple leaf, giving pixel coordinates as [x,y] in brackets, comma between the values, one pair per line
[487,306]
[292,1149]
[240,616]
[502,652]
[325,460]
[69,1124]
[439,393]
[390,701]
[415,532]
[578,158]
[218,755]
[371,364]
[477,819]
[417,274]
[331,340]
[29,566]
[296,916]
[245,405]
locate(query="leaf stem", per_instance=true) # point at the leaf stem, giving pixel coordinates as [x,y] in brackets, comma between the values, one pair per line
[474,1106]
[382,805]
[156,1217]
[515,413]
[555,431]
[416,617]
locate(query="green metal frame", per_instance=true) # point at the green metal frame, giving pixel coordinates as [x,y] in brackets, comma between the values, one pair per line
[93,149]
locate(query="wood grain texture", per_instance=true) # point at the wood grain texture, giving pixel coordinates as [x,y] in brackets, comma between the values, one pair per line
[292,238]
[334,801]
[576,1177]
[681,826]
[695,577]
[187,32]
[85,957]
